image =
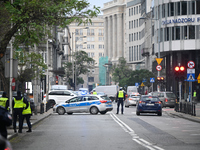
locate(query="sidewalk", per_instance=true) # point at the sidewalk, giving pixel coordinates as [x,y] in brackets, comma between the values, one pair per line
[34,120]
[186,116]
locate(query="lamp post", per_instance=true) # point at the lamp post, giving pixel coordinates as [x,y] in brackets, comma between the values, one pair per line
[158,75]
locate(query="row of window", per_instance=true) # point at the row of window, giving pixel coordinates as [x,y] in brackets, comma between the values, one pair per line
[178,8]
[135,24]
[89,32]
[89,39]
[135,10]
[90,46]
[180,33]
[136,36]
[135,53]
[98,24]
[93,54]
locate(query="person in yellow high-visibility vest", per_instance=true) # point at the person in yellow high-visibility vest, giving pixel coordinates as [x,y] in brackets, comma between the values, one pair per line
[27,114]
[194,95]
[121,95]
[94,92]
[18,107]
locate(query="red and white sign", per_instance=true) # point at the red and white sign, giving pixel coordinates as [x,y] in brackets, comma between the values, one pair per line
[158,67]
[13,84]
[191,64]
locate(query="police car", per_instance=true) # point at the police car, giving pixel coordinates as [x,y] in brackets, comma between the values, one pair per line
[92,104]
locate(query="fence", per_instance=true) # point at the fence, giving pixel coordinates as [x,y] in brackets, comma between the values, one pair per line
[186,107]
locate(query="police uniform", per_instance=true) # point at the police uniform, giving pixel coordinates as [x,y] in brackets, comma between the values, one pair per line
[18,107]
[94,93]
[120,96]
[27,114]
[4,102]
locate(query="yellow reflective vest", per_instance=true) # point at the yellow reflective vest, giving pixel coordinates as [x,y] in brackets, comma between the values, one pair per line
[19,103]
[3,101]
[194,94]
[94,93]
[121,94]
[28,110]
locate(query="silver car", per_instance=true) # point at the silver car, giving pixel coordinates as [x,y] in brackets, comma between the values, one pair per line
[132,99]
[92,104]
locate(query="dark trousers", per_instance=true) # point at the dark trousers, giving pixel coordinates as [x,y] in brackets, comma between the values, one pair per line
[17,112]
[3,130]
[28,116]
[120,101]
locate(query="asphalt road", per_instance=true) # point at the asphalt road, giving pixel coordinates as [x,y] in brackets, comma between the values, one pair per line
[111,132]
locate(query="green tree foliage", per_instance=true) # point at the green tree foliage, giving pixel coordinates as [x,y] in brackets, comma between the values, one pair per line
[122,74]
[81,64]
[31,65]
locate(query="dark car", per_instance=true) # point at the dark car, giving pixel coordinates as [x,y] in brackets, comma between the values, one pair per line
[149,104]
[167,98]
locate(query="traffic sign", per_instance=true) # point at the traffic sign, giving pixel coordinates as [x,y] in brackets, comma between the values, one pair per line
[191,64]
[159,60]
[13,84]
[152,80]
[158,67]
[198,78]
[190,75]
[137,84]
[142,84]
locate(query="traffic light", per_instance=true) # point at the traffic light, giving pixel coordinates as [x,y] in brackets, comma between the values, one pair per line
[160,79]
[179,73]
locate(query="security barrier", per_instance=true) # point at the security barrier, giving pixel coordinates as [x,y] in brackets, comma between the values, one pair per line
[186,107]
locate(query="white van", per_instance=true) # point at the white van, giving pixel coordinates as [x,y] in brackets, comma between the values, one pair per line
[132,89]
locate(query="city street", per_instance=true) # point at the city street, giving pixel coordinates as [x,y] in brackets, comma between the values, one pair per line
[111,131]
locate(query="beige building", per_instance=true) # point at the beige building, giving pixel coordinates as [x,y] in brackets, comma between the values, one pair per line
[89,38]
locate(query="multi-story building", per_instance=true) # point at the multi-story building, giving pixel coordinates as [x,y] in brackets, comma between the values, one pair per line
[89,38]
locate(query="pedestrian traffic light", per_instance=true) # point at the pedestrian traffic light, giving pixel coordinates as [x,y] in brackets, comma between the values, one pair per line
[179,73]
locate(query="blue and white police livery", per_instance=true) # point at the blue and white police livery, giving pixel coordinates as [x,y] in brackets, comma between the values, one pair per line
[86,103]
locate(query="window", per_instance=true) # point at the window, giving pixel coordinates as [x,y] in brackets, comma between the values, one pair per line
[92,46]
[100,54]
[185,32]
[92,54]
[198,31]
[132,37]
[73,100]
[129,12]
[167,34]
[172,33]
[76,32]
[178,8]
[101,38]
[88,31]
[198,7]
[132,24]
[90,79]
[163,10]
[191,32]
[184,8]
[171,9]
[132,11]
[191,7]
[88,54]
[177,33]
[66,93]
[135,53]
[132,53]
[88,46]
[92,31]
[129,53]
[137,10]
[81,31]
[100,32]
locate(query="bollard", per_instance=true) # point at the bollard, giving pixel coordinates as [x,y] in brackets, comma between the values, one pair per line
[41,108]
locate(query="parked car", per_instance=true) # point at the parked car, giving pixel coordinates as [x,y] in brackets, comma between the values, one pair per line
[92,104]
[132,99]
[149,104]
[58,96]
[167,98]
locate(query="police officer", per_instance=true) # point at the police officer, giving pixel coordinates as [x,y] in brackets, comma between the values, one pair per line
[194,95]
[27,114]
[4,102]
[94,92]
[121,97]
[18,106]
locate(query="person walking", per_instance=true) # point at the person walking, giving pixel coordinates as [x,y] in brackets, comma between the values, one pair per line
[194,95]
[27,114]
[18,106]
[120,97]
[4,104]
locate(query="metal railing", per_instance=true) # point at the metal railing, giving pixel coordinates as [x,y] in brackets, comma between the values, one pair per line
[186,107]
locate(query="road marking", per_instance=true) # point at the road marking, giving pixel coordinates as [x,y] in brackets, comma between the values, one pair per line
[195,134]
[134,136]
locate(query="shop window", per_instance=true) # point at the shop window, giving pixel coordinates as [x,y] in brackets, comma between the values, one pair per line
[198,7]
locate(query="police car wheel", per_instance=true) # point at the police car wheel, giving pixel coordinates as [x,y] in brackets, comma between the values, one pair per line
[61,110]
[94,110]
[103,112]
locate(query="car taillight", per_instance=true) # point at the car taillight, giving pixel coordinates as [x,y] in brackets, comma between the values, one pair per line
[103,101]
[158,102]
[166,100]
[130,99]
[141,102]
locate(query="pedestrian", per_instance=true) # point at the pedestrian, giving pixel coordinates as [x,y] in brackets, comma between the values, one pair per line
[120,98]
[18,106]
[194,95]
[94,92]
[4,104]
[27,114]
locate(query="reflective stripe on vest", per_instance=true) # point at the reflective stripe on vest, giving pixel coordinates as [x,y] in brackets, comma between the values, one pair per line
[18,103]
[28,110]
[3,101]
[94,93]
[121,94]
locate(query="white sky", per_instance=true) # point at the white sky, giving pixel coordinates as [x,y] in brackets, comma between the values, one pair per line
[98,3]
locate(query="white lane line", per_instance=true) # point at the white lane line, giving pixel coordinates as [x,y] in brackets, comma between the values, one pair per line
[134,136]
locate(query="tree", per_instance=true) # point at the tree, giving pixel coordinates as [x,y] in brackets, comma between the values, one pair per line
[29,64]
[28,22]
[81,64]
